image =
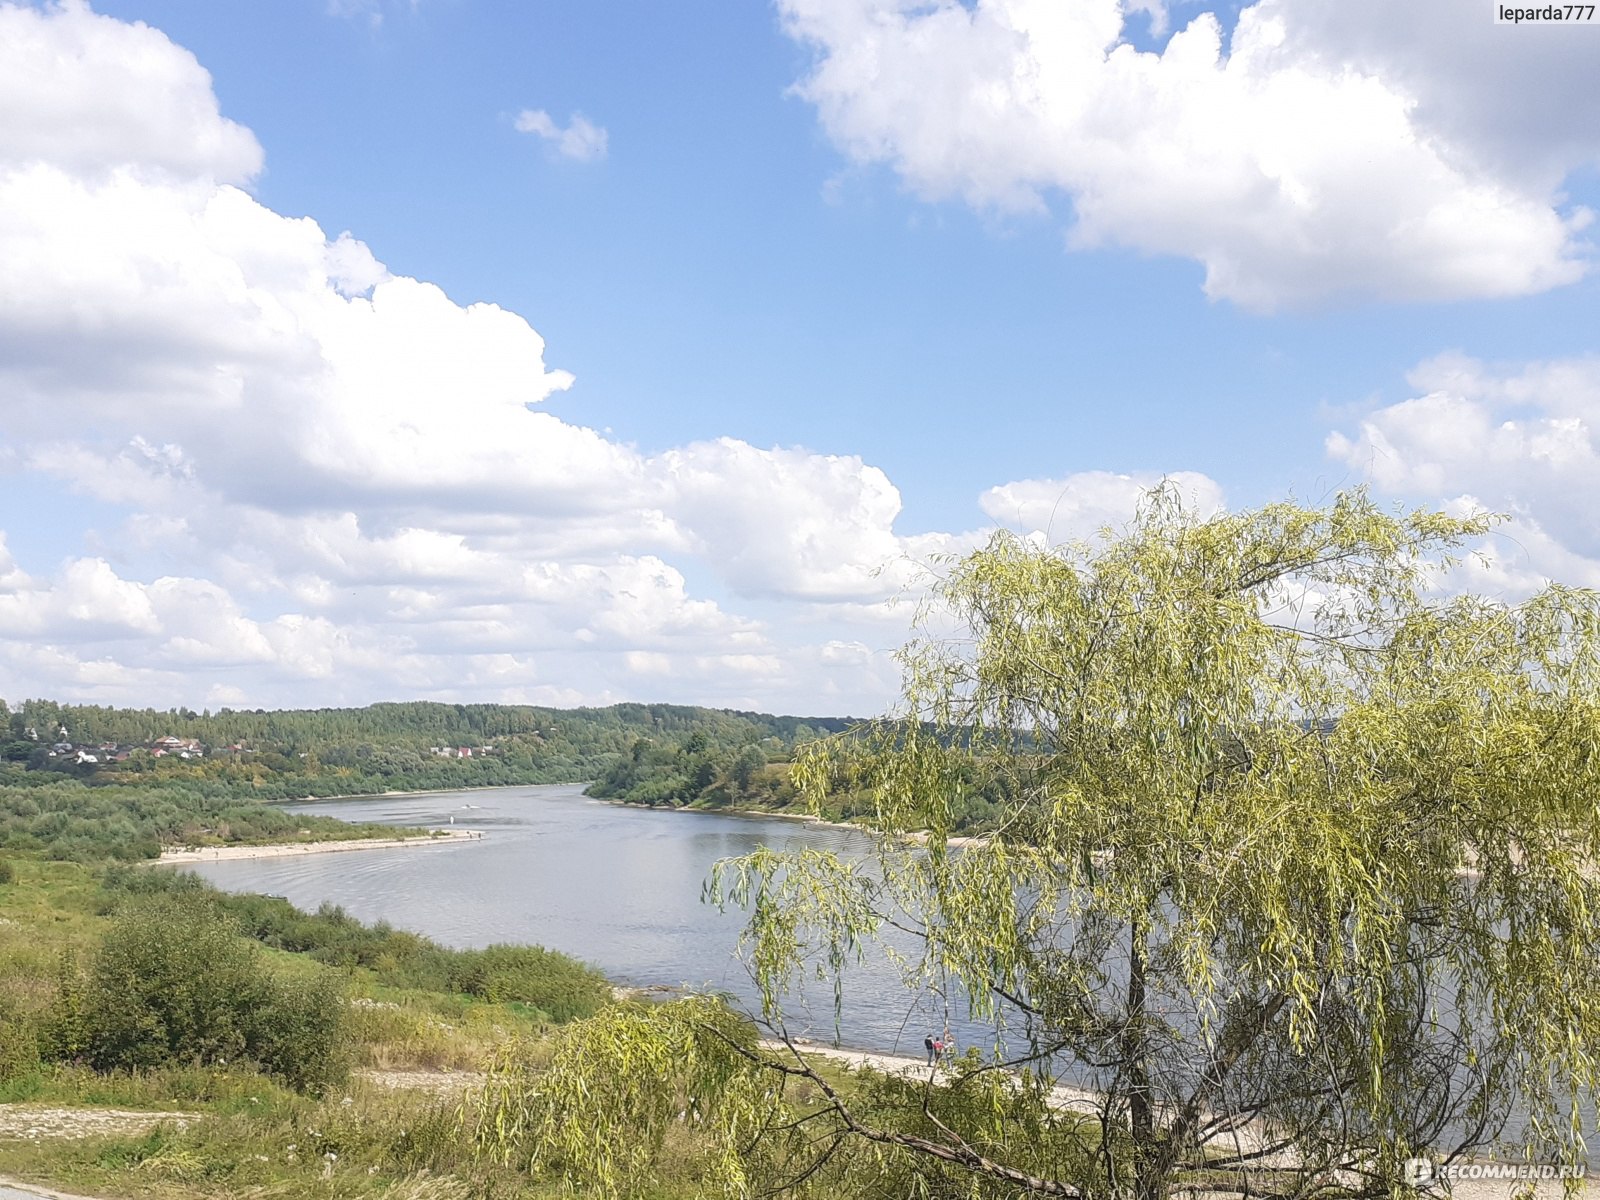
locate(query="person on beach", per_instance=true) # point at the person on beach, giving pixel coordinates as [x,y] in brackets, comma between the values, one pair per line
[931,1047]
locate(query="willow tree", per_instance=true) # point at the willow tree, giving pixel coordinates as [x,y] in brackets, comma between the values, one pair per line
[1291,875]
[1294,864]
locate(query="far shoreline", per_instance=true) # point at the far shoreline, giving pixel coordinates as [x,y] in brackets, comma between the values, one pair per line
[916,837]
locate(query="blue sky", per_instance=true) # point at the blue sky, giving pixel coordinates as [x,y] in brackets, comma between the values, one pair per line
[839,268]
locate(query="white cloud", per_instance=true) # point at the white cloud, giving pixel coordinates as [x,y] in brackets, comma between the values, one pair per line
[1077,507]
[96,95]
[334,481]
[1297,164]
[1522,105]
[370,11]
[88,603]
[786,521]
[1518,440]
[580,139]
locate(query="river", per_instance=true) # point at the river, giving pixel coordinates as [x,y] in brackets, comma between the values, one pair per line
[616,886]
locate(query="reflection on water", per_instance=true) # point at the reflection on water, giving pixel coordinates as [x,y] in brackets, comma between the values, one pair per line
[617,887]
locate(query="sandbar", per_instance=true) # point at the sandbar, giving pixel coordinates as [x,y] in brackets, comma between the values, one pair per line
[196,854]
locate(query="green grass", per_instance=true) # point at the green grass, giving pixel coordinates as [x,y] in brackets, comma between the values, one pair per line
[255,1139]
[394,1144]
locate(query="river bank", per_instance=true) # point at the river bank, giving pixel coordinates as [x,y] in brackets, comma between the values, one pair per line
[916,837]
[206,854]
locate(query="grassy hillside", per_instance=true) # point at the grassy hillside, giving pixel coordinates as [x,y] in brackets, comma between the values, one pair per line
[419,1073]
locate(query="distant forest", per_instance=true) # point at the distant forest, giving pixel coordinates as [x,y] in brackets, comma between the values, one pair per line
[87,781]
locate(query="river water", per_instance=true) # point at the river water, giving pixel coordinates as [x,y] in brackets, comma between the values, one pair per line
[616,886]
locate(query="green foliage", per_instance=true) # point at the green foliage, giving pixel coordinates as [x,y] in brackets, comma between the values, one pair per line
[548,980]
[328,752]
[1003,1116]
[721,769]
[595,1108]
[254,1139]
[19,1043]
[7,872]
[558,986]
[173,983]
[130,809]
[69,820]
[1284,838]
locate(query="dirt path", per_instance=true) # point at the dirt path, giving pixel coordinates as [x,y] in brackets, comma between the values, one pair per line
[15,1189]
[34,1123]
[434,1083]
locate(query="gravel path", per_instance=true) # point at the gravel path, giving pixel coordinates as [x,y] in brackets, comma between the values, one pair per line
[25,1121]
[435,1083]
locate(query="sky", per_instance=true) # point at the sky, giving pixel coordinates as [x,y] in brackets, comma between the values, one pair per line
[568,353]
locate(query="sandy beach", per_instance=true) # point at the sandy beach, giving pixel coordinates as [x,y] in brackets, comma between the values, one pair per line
[195,854]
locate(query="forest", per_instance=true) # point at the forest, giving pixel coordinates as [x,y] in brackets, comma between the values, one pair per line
[85,782]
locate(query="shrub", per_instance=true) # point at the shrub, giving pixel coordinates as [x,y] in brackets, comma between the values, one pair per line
[548,980]
[174,983]
[7,872]
[297,1036]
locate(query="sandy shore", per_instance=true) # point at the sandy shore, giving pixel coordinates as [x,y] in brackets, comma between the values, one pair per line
[196,854]
[1066,1097]
[1061,1096]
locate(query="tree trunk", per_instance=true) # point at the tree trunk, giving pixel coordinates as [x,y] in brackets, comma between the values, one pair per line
[1147,1182]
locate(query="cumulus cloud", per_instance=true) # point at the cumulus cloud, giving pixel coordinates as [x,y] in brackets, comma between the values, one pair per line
[1079,506]
[335,483]
[579,139]
[1298,157]
[785,521]
[1518,440]
[97,96]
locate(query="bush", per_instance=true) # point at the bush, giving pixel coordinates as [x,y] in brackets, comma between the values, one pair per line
[174,983]
[7,872]
[297,1036]
[557,985]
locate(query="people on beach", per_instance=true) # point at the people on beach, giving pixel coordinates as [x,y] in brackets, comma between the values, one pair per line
[932,1047]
